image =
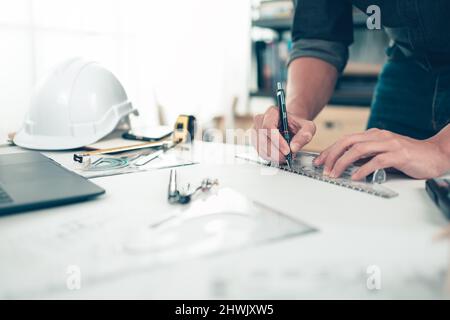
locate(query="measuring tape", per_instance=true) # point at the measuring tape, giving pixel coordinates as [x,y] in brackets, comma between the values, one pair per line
[184,129]
[303,165]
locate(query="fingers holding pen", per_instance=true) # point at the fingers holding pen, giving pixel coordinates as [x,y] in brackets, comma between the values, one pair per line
[270,124]
[304,132]
[267,138]
[267,127]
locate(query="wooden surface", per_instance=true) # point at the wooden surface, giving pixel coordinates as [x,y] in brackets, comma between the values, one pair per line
[362,69]
[336,122]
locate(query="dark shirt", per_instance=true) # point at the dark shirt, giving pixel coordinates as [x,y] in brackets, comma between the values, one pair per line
[419,29]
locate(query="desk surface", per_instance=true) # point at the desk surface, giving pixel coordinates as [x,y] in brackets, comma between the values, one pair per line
[355,231]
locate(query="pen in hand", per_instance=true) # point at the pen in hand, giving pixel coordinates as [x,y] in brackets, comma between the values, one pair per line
[284,125]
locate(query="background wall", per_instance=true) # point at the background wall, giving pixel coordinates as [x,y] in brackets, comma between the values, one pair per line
[193,55]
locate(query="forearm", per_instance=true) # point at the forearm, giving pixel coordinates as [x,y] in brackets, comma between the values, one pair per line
[310,85]
[442,139]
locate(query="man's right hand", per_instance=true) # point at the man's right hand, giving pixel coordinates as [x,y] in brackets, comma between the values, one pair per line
[270,143]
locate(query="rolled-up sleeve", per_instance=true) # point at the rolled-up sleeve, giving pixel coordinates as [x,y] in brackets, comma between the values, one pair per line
[322,29]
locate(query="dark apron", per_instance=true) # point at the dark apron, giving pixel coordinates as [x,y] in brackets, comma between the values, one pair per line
[411,100]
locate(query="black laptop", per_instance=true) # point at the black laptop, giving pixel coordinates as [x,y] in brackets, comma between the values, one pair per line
[29,180]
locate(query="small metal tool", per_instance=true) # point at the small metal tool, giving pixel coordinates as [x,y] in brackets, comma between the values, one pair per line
[184,197]
[173,194]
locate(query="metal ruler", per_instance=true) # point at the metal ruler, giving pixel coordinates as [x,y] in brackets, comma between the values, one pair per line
[303,165]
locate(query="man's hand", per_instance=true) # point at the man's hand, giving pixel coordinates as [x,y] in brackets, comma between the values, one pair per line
[420,159]
[271,144]
[310,84]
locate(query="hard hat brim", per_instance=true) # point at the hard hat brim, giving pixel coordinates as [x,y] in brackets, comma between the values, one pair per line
[34,142]
[52,143]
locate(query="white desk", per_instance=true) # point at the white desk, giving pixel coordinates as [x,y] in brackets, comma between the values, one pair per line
[355,231]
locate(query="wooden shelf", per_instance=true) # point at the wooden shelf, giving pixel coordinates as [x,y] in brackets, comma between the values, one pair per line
[362,69]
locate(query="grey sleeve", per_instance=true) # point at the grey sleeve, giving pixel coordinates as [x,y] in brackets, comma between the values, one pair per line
[335,53]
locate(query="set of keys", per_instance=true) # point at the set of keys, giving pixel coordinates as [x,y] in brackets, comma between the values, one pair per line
[185,196]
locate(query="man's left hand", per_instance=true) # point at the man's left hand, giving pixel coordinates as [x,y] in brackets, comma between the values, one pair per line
[420,159]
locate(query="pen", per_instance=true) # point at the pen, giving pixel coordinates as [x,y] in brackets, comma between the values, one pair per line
[284,126]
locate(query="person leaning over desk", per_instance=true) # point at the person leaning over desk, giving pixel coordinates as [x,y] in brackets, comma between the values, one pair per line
[409,126]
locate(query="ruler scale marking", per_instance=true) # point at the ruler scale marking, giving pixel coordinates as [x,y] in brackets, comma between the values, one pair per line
[308,170]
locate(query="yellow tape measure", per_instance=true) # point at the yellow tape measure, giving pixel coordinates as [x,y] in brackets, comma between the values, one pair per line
[184,129]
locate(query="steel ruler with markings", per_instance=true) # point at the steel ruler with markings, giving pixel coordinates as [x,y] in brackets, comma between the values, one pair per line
[303,165]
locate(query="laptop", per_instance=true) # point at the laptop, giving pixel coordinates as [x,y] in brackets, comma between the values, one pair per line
[29,181]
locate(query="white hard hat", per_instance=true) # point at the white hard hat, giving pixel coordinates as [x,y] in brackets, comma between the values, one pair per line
[76,104]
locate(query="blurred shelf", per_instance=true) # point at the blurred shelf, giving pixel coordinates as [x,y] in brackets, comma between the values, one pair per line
[352,93]
[262,94]
[352,99]
[277,24]
[362,69]
[285,24]
[355,90]
[355,87]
